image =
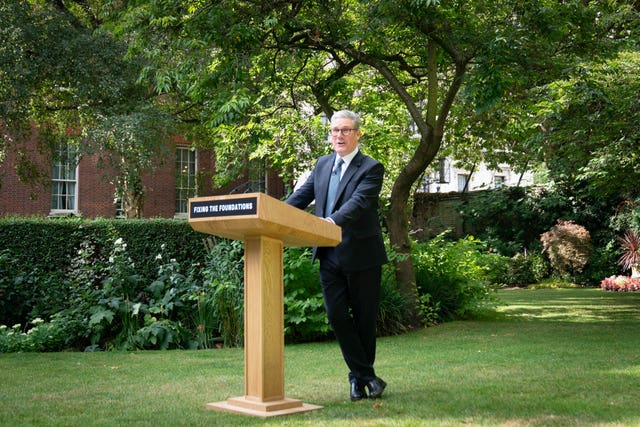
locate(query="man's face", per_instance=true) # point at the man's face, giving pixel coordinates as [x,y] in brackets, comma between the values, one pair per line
[343,144]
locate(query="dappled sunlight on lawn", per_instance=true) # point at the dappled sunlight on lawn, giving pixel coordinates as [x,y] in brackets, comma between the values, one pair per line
[627,371]
[570,305]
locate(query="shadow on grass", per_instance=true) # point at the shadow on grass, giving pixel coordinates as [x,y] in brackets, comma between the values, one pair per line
[570,305]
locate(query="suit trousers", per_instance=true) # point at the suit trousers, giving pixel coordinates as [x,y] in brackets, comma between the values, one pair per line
[352,301]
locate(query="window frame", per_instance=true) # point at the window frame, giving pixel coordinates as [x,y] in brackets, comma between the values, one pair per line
[466,182]
[192,178]
[62,162]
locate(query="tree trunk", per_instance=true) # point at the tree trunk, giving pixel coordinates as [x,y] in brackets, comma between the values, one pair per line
[132,205]
[398,227]
[398,221]
[132,198]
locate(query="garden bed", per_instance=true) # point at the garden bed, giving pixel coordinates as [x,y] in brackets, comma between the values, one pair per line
[621,284]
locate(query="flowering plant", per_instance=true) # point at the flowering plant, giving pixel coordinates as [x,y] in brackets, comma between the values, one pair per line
[621,284]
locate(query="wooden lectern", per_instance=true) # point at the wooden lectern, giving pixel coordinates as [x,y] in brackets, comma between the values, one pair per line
[265,225]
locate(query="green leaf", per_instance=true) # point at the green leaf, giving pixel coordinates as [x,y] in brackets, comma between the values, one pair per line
[98,317]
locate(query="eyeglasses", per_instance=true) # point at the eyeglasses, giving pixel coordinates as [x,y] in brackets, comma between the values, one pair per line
[344,132]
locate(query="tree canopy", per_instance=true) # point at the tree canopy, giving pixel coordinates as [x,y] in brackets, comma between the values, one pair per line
[63,74]
[253,78]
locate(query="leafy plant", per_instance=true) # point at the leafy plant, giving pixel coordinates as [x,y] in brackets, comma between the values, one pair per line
[428,309]
[224,288]
[525,269]
[38,336]
[454,274]
[568,246]
[304,315]
[392,312]
[630,247]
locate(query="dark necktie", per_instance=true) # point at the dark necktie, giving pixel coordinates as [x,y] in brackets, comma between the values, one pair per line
[333,187]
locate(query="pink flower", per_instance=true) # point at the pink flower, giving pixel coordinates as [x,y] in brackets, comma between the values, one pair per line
[620,284]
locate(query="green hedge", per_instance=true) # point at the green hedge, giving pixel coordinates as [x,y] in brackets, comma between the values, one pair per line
[144,284]
[37,253]
[50,244]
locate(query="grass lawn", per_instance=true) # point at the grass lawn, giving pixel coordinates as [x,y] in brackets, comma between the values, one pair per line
[551,357]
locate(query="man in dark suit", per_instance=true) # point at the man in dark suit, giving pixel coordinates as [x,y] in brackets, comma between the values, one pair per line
[346,187]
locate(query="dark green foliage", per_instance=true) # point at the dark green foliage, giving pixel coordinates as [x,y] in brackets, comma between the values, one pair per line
[391,317]
[511,220]
[147,285]
[223,289]
[51,244]
[186,294]
[27,293]
[41,255]
[602,264]
[304,315]
[524,269]
[627,216]
[454,275]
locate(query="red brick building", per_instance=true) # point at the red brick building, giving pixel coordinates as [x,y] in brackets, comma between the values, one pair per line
[83,188]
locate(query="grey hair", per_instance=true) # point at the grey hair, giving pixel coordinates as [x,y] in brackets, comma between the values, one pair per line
[347,114]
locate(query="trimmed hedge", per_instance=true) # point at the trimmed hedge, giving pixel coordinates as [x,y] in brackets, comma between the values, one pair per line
[37,253]
[49,244]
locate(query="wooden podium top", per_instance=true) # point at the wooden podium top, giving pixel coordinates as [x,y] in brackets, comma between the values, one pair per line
[239,216]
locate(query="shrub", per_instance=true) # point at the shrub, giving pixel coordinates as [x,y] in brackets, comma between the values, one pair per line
[224,288]
[455,276]
[100,298]
[304,315]
[621,284]
[392,311]
[525,269]
[511,219]
[41,336]
[602,263]
[568,246]
[41,258]
[129,312]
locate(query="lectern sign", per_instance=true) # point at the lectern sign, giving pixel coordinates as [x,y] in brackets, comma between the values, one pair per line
[225,207]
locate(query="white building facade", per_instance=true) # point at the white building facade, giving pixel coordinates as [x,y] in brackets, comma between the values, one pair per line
[448,178]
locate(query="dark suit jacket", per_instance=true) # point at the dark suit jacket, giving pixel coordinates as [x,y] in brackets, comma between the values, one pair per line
[356,209]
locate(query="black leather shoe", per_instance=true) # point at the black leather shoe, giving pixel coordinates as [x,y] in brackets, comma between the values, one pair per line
[376,387]
[357,391]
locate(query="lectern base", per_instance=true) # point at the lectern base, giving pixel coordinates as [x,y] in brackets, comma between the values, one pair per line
[242,405]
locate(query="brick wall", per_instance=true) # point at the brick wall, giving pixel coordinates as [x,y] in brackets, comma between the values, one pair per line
[434,213]
[17,197]
[95,189]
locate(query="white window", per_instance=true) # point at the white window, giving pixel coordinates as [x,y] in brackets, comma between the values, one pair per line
[498,181]
[462,181]
[64,181]
[117,203]
[185,178]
